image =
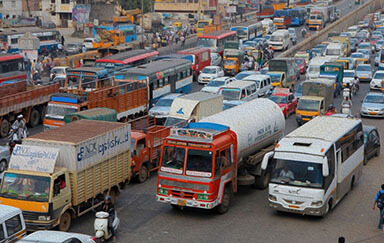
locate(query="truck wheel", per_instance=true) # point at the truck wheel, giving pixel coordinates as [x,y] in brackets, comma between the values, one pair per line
[35,118]
[143,175]
[262,181]
[65,222]
[226,202]
[4,128]
[3,165]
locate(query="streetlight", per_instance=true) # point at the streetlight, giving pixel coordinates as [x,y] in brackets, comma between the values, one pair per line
[142,24]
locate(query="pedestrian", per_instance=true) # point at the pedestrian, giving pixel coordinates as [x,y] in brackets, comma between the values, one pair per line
[29,69]
[379,202]
[182,39]
[83,49]
[62,40]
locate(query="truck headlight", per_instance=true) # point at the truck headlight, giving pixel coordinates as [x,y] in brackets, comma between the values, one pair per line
[202,196]
[272,198]
[44,218]
[317,203]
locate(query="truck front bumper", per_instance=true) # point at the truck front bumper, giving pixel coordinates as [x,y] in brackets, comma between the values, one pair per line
[187,202]
[306,211]
[34,225]
[303,119]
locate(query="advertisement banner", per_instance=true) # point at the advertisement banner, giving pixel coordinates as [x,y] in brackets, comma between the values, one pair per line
[80,13]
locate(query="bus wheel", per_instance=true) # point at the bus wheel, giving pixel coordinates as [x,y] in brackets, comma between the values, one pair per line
[4,128]
[226,202]
[35,118]
[329,207]
[65,222]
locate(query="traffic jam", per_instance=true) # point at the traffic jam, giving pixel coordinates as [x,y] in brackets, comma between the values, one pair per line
[201,123]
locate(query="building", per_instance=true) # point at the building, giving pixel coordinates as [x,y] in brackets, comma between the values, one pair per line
[185,6]
[11,8]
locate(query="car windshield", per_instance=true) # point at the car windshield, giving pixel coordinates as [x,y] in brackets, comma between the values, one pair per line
[279,99]
[199,163]
[299,61]
[229,62]
[365,68]
[357,55]
[380,42]
[240,76]
[231,94]
[276,38]
[297,173]
[209,70]
[333,52]
[58,111]
[275,78]
[308,105]
[364,46]
[164,102]
[25,187]
[215,83]
[206,42]
[314,69]
[377,99]
[364,51]
[348,74]
[173,159]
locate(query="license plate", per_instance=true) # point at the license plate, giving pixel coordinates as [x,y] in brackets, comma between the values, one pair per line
[181,202]
[293,206]
[372,113]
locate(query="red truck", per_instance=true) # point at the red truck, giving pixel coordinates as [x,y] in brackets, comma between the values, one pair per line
[146,140]
[30,100]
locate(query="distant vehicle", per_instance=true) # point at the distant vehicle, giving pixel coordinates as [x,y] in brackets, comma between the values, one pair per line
[353,44]
[216,59]
[214,85]
[73,48]
[262,42]
[299,91]
[348,76]
[51,236]
[162,107]
[376,82]
[366,53]
[366,45]
[292,33]
[379,45]
[364,72]
[58,72]
[301,65]
[88,43]
[285,100]
[377,58]
[209,73]
[243,74]
[371,143]
[373,105]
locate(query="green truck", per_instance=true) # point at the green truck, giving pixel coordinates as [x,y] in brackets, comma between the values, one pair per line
[100,114]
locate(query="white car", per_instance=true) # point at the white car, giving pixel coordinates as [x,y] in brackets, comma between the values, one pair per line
[214,85]
[378,77]
[209,73]
[88,43]
[377,58]
[48,236]
[162,107]
[349,76]
[58,72]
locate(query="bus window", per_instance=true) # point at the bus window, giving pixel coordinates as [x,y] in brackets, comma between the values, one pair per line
[161,82]
[178,76]
[166,81]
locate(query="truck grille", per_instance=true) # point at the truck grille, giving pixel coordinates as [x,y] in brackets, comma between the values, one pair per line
[184,185]
[30,216]
[187,195]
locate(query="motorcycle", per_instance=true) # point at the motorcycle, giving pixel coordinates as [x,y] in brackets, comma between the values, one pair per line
[36,77]
[303,32]
[15,136]
[293,39]
[102,233]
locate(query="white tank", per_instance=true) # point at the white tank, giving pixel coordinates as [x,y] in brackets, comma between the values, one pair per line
[257,124]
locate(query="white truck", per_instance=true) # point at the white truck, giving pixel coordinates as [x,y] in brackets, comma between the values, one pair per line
[193,107]
[313,70]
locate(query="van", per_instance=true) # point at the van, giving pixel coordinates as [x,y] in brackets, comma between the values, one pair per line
[335,50]
[313,70]
[201,59]
[12,224]
[280,40]
[239,91]
[263,84]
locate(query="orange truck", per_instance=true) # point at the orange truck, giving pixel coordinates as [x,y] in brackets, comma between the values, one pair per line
[146,140]
[129,100]
[21,98]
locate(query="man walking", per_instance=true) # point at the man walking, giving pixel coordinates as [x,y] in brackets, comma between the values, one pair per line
[379,202]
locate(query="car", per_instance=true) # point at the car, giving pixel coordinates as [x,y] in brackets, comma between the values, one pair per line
[377,58]
[360,37]
[323,47]
[261,42]
[216,59]
[377,78]
[366,53]
[88,43]
[377,33]
[303,54]
[292,33]
[357,55]
[353,43]
[162,107]
[371,142]
[347,34]
[348,76]
[285,100]
[209,73]
[367,46]
[301,65]
[73,48]
[373,105]
[299,91]
[316,52]
[375,39]
[232,103]
[250,43]
[244,74]
[379,45]
[354,29]
[364,72]
[214,85]
[58,72]
[365,33]
[381,29]
[51,236]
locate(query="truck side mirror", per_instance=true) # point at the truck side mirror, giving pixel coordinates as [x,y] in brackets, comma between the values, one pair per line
[267,157]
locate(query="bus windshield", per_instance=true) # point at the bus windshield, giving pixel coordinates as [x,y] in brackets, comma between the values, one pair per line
[206,42]
[297,173]
[20,186]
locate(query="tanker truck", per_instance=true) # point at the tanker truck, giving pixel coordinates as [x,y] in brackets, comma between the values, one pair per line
[202,164]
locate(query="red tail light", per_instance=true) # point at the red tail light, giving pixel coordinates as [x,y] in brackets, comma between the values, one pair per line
[94,239]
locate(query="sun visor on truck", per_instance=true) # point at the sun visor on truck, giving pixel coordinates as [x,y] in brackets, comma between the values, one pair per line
[33,158]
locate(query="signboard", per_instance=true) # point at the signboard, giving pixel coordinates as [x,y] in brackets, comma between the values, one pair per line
[231,9]
[33,158]
[80,13]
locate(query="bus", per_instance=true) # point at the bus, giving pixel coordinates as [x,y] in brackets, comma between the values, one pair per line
[299,15]
[129,30]
[200,25]
[12,68]
[248,31]
[283,18]
[125,60]
[163,77]
[215,40]
[48,38]
[312,171]
[86,79]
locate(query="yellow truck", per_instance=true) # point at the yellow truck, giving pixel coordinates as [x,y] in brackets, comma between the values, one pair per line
[60,174]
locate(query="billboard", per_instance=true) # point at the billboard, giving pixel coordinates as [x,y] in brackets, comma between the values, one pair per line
[80,13]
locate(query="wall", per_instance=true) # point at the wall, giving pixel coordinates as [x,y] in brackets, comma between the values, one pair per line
[11,7]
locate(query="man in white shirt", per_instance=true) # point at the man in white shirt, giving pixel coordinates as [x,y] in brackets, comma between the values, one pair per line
[286,173]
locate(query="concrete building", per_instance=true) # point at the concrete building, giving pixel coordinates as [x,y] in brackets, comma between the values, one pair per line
[185,6]
[11,8]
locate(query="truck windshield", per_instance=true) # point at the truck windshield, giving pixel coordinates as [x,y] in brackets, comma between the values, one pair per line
[231,94]
[297,173]
[308,105]
[58,111]
[206,42]
[333,52]
[20,186]
[173,159]
[229,62]
[275,78]
[199,163]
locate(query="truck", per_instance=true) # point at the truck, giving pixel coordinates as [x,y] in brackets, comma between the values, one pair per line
[316,99]
[335,72]
[313,70]
[22,98]
[146,139]
[318,18]
[61,174]
[203,164]
[152,21]
[193,107]
[128,99]
[100,114]
[233,57]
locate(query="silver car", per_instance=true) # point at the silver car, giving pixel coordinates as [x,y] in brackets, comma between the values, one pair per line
[373,105]
[364,72]
[162,107]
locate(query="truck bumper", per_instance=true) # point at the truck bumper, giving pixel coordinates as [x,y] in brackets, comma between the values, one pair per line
[40,225]
[303,119]
[186,202]
[306,211]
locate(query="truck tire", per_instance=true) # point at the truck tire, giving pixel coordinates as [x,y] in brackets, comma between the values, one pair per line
[65,222]
[143,174]
[262,181]
[226,202]
[4,128]
[35,118]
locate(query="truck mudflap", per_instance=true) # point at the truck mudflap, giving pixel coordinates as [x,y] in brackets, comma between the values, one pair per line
[181,202]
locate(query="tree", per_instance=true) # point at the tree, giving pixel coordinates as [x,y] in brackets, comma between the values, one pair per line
[133,4]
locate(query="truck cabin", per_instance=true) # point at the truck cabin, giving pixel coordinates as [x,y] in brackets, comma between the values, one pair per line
[314,104]
[86,79]
[138,142]
[277,78]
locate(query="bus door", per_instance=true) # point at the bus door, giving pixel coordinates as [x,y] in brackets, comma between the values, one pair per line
[339,188]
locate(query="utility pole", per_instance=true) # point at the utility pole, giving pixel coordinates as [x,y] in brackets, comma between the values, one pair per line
[142,24]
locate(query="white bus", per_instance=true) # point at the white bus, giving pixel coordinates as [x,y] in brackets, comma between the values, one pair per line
[313,167]
[248,31]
